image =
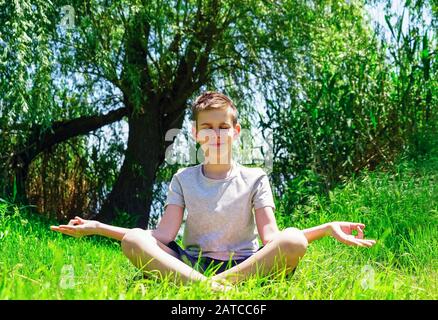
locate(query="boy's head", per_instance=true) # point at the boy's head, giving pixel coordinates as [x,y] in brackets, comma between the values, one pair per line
[211,100]
[215,123]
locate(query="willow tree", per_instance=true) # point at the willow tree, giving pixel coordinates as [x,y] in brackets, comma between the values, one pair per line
[76,66]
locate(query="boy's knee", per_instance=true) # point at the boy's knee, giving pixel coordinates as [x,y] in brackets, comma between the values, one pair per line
[293,241]
[132,238]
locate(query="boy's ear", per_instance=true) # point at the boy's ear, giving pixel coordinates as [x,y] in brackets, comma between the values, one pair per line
[237,129]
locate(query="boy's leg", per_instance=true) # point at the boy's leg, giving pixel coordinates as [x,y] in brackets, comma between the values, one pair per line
[149,254]
[282,252]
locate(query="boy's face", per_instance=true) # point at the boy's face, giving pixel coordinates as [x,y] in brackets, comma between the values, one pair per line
[215,132]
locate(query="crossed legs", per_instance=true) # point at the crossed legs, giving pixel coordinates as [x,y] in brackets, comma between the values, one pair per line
[150,255]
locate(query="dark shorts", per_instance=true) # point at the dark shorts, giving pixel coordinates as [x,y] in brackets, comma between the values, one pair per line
[204,264]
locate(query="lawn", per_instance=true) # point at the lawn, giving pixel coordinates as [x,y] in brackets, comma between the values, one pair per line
[399,207]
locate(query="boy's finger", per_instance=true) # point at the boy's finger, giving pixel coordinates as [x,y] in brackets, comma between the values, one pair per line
[80,220]
[62,230]
[351,242]
[355,241]
[368,242]
[58,228]
[68,227]
[359,232]
[364,242]
[359,243]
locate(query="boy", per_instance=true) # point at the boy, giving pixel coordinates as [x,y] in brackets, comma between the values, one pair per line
[226,203]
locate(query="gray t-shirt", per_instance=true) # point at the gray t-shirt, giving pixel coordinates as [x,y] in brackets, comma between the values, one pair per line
[220,220]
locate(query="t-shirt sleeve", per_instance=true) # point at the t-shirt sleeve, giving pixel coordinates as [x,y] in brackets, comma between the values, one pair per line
[262,196]
[175,193]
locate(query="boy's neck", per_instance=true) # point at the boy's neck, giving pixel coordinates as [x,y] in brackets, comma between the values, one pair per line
[217,171]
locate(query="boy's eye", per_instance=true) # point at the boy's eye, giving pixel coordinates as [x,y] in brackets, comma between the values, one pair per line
[222,127]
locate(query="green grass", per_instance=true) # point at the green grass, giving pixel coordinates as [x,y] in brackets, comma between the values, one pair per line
[399,208]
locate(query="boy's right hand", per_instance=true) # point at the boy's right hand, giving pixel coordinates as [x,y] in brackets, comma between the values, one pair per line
[78,227]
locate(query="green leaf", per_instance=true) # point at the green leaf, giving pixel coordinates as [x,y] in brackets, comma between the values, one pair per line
[388,22]
[373,119]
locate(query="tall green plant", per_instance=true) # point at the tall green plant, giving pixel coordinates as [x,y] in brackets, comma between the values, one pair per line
[355,100]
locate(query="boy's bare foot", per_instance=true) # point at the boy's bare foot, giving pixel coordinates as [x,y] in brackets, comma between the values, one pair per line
[220,287]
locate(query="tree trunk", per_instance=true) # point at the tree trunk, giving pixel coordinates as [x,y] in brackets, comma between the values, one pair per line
[18,187]
[132,191]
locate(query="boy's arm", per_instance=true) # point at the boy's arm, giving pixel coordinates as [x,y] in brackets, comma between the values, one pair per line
[317,232]
[165,232]
[266,224]
[169,224]
[267,227]
[110,231]
[341,231]
[79,227]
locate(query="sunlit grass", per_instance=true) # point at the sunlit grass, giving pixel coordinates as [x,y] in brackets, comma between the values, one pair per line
[399,208]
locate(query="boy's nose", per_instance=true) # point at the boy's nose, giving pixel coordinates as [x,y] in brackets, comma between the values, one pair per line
[214,136]
[220,134]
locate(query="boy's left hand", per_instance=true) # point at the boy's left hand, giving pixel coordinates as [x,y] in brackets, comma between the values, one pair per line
[343,231]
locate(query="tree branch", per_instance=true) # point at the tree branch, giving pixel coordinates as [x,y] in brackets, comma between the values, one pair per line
[61,131]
